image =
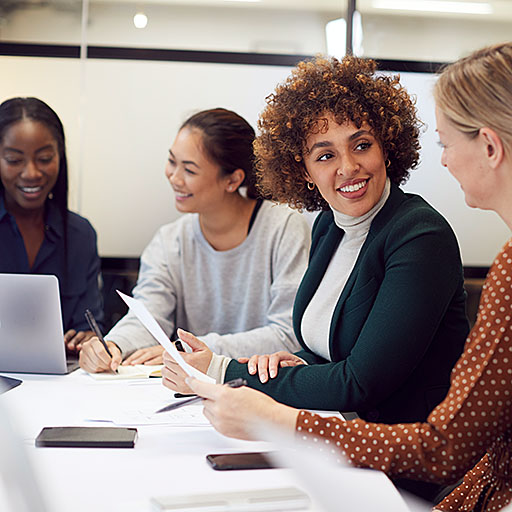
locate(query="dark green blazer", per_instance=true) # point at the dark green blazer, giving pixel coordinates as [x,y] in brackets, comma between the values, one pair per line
[399,324]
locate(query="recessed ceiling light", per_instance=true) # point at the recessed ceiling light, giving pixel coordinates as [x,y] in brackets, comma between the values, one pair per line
[140,20]
[434,6]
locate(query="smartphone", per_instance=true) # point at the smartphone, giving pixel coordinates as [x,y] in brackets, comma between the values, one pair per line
[247,460]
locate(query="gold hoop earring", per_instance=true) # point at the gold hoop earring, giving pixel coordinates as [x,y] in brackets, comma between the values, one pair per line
[388,162]
[311,185]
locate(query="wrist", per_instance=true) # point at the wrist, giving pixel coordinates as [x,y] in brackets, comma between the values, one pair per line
[284,416]
[111,345]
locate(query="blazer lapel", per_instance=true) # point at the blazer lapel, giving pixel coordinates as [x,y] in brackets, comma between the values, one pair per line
[381,220]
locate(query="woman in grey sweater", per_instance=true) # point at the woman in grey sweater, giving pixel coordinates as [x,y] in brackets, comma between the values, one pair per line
[228,269]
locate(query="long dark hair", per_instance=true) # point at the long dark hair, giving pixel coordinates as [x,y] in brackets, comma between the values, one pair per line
[17,109]
[227,139]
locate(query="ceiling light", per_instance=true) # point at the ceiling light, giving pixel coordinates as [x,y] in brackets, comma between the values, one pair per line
[434,6]
[140,20]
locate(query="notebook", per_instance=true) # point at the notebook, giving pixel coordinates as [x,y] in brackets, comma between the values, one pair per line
[31,334]
[138,371]
[87,437]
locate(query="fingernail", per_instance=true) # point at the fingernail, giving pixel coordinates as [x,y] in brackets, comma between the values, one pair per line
[252,370]
[272,374]
[263,378]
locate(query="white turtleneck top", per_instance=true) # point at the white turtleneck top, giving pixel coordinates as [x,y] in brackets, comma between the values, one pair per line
[316,321]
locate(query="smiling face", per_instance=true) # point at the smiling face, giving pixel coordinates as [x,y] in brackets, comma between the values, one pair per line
[197,181]
[463,156]
[347,165]
[29,165]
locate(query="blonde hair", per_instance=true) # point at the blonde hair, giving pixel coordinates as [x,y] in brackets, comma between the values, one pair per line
[476,92]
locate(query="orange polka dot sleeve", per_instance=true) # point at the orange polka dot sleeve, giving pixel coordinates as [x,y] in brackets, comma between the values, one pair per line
[473,419]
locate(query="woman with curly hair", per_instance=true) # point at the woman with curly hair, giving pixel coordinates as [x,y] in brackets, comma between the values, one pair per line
[380,312]
[474,122]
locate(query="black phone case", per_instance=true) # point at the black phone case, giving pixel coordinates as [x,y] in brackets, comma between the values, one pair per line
[87,437]
[232,461]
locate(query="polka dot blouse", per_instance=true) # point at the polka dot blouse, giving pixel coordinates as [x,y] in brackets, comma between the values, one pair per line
[471,426]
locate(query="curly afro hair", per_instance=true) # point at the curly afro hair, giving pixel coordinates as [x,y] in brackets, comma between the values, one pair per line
[350,90]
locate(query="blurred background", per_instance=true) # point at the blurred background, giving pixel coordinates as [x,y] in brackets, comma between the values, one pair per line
[123,75]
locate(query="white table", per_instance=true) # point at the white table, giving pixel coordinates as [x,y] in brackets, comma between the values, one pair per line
[165,461]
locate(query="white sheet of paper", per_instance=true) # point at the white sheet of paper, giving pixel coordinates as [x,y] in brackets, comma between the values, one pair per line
[189,416]
[148,321]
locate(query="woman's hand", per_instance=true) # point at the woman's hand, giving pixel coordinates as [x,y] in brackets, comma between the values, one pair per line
[234,412]
[173,376]
[73,340]
[94,357]
[270,363]
[149,355]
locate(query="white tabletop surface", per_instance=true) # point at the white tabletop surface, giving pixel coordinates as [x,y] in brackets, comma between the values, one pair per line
[166,461]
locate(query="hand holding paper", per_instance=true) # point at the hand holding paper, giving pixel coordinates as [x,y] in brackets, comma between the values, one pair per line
[145,317]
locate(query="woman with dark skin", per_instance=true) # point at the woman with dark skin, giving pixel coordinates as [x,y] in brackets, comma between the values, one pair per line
[380,312]
[39,234]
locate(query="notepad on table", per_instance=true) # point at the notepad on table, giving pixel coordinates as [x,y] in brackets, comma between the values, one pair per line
[87,437]
[138,371]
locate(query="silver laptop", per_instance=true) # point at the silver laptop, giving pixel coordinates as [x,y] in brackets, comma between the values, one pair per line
[31,335]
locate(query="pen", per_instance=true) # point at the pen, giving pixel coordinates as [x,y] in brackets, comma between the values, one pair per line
[94,327]
[236,383]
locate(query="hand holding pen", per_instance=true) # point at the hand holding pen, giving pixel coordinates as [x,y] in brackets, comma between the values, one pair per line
[236,383]
[96,355]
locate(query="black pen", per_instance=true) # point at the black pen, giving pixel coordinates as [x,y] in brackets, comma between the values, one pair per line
[236,383]
[94,327]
